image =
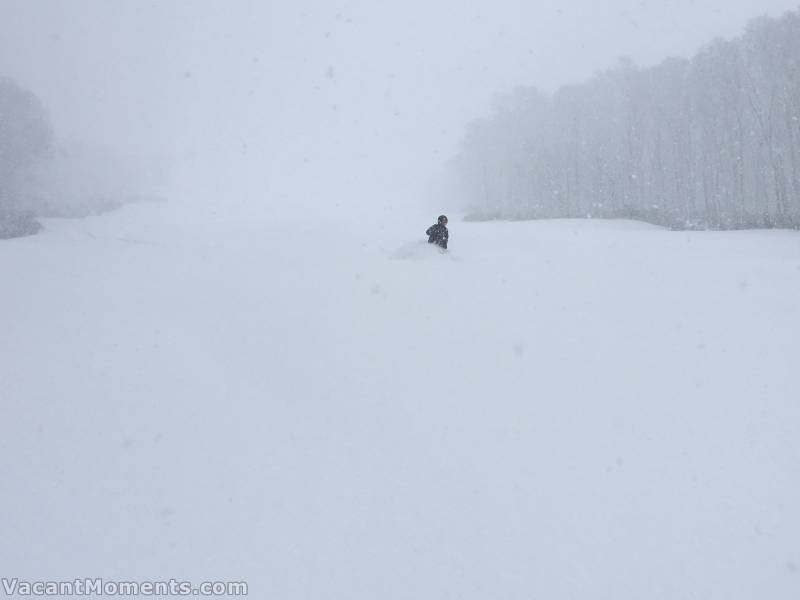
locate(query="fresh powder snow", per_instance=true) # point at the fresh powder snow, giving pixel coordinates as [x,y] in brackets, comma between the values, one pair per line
[554,409]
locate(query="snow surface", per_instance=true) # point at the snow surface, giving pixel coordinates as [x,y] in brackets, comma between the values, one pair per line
[559,409]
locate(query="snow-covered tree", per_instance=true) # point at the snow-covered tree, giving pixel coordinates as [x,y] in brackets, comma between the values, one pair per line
[709,142]
[25,139]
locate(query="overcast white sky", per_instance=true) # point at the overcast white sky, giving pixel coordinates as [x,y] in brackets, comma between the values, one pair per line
[312,98]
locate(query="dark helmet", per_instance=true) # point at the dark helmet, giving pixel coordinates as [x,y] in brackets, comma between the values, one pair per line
[442,220]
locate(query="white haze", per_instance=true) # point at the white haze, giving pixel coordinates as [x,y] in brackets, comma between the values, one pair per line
[324,106]
[332,408]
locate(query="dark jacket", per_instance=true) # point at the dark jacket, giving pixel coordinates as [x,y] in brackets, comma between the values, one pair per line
[438,234]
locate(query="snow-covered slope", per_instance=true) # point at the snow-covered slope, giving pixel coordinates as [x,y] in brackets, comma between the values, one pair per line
[555,410]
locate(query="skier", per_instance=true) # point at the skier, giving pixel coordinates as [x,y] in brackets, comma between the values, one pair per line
[438,234]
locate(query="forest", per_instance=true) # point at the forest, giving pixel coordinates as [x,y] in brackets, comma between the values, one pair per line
[711,142]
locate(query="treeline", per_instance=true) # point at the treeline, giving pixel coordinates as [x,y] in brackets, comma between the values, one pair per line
[42,178]
[26,139]
[711,142]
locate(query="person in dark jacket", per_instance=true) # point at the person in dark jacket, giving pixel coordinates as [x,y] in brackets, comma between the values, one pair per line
[438,234]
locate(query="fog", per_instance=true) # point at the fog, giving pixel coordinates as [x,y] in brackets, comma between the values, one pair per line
[316,105]
[334,406]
